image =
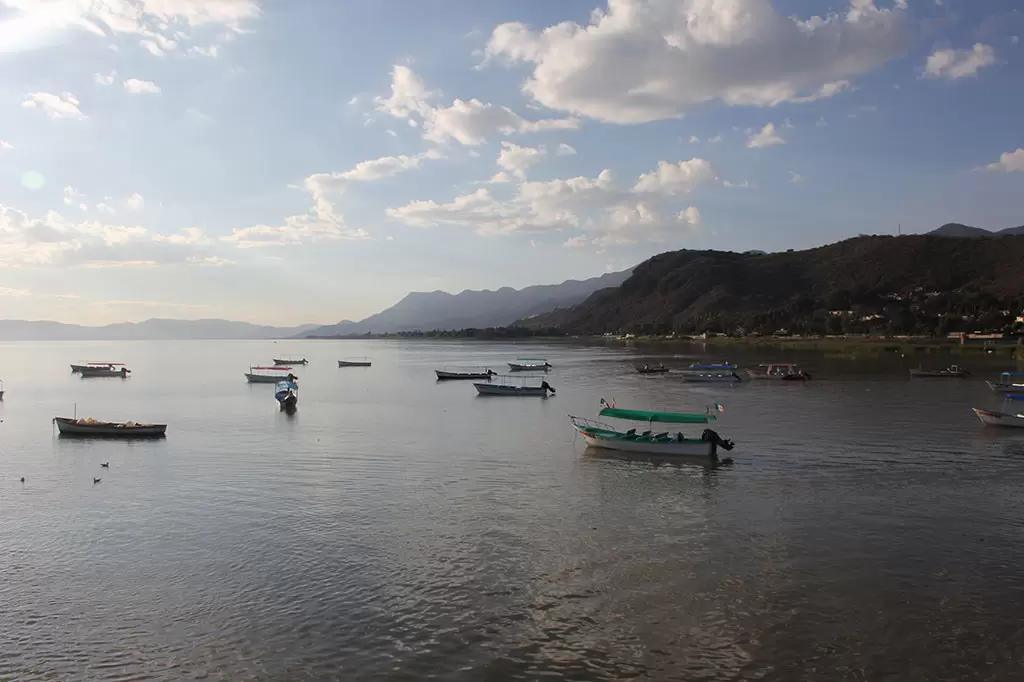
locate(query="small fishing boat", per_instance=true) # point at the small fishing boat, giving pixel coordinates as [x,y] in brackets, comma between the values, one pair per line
[712,366]
[104,371]
[951,372]
[529,365]
[265,375]
[652,369]
[779,371]
[1008,382]
[706,376]
[454,373]
[1,389]
[997,418]
[90,365]
[515,386]
[287,393]
[294,361]
[598,434]
[91,428]
[355,362]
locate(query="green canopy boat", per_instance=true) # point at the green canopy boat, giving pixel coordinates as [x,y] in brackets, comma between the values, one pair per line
[602,435]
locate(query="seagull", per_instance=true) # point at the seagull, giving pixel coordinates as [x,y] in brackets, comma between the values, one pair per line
[105,465]
[96,480]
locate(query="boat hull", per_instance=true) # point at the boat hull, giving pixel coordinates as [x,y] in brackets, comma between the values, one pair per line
[354,363]
[287,401]
[522,391]
[519,367]
[686,448]
[454,376]
[993,418]
[1000,387]
[90,372]
[303,361]
[83,429]
[652,370]
[709,378]
[261,379]
[926,374]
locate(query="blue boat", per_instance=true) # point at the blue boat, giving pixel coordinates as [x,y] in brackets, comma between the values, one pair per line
[1009,382]
[287,393]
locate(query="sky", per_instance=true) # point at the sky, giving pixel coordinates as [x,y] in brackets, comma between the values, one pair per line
[288,162]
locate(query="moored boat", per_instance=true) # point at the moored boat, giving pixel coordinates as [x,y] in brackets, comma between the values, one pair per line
[652,369]
[90,365]
[265,375]
[1008,382]
[529,364]
[712,366]
[455,373]
[91,428]
[515,386]
[951,372]
[779,371]
[1,389]
[287,393]
[104,371]
[706,376]
[599,434]
[997,418]
[355,362]
[291,361]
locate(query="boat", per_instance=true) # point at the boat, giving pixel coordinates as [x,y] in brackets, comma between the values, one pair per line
[253,376]
[355,362]
[652,369]
[997,418]
[720,375]
[515,386]
[104,371]
[294,361]
[951,372]
[1008,382]
[90,365]
[1,389]
[598,434]
[712,366]
[287,393]
[453,373]
[91,428]
[779,371]
[529,364]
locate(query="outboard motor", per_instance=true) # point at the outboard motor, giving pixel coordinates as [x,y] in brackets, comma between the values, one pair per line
[713,437]
[547,387]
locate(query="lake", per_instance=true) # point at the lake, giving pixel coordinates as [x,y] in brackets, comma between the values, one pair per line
[398,528]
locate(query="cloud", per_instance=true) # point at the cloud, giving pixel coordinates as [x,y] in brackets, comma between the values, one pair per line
[796,178]
[516,159]
[715,139]
[766,137]
[499,178]
[104,207]
[670,179]
[575,242]
[565,150]
[470,122]
[694,139]
[135,202]
[953,64]
[101,79]
[1009,162]
[5,146]
[733,185]
[649,60]
[373,169]
[210,51]
[137,87]
[690,216]
[63,106]
[72,196]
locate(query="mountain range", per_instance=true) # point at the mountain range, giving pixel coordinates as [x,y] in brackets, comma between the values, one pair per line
[427,311]
[154,329]
[958,230]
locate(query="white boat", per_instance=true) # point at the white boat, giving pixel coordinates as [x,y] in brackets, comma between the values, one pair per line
[529,365]
[452,373]
[996,418]
[266,375]
[93,365]
[515,386]
[1009,382]
[287,393]
[779,371]
[90,428]
[291,361]
[355,362]
[598,434]
[104,371]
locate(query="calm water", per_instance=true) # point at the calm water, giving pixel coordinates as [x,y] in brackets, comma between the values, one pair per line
[396,528]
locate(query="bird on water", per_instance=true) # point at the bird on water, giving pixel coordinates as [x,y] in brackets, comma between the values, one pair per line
[96,480]
[105,465]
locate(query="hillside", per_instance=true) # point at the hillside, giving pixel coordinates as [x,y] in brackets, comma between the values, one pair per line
[154,329]
[424,311]
[900,284]
[958,230]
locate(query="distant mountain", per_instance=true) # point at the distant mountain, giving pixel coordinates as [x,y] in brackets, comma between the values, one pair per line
[154,329]
[427,311]
[958,230]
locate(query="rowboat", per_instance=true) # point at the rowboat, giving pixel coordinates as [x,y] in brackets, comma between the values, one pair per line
[652,369]
[951,372]
[705,376]
[598,434]
[515,386]
[785,371]
[253,376]
[996,418]
[1008,382]
[295,361]
[355,362]
[90,428]
[104,371]
[447,374]
[287,393]
[90,365]
[529,364]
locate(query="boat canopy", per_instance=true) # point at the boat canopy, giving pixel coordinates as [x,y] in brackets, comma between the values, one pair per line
[662,417]
[276,368]
[532,359]
[1013,374]
[1015,396]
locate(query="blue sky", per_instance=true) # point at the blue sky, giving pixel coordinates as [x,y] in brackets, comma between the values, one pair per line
[289,162]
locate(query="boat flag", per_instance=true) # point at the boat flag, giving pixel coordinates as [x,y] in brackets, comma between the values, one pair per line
[719,407]
[605,403]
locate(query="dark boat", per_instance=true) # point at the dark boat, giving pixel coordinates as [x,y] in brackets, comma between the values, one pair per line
[287,393]
[651,369]
[452,374]
[364,362]
[951,372]
[90,428]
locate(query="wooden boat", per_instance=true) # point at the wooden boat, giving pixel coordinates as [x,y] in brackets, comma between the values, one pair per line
[455,373]
[951,372]
[296,361]
[89,365]
[355,362]
[253,376]
[515,386]
[90,428]
[287,393]
[652,369]
[720,376]
[779,371]
[1008,382]
[104,371]
[598,434]
[996,418]
[529,365]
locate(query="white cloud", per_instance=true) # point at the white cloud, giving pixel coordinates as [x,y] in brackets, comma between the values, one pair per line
[691,216]
[516,159]
[575,242]
[63,106]
[733,185]
[409,94]
[796,178]
[138,87]
[72,196]
[952,64]
[101,79]
[372,169]
[766,137]
[135,202]
[1009,162]
[5,145]
[670,179]
[499,178]
[694,139]
[210,51]
[648,60]
[104,207]
[565,150]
